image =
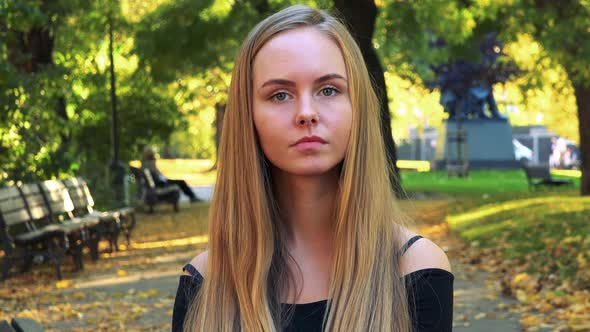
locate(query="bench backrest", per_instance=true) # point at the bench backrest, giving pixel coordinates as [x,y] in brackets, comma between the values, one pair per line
[13,208]
[57,197]
[141,179]
[79,193]
[149,179]
[35,201]
[537,172]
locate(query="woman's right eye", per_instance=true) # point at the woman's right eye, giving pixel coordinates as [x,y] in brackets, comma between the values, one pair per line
[279,96]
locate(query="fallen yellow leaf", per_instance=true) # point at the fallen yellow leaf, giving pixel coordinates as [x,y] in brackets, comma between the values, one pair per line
[521,295]
[78,296]
[529,320]
[480,316]
[66,283]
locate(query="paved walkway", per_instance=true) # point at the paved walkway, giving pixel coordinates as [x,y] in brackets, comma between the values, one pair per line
[202,192]
[477,305]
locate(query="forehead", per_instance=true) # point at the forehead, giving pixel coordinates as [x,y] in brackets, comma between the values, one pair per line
[298,53]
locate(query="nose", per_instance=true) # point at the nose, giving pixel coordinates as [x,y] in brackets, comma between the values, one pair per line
[307,114]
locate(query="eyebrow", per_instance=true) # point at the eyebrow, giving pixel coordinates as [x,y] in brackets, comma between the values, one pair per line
[291,83]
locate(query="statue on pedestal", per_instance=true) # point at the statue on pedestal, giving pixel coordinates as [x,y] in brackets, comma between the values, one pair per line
[475,135]
[466,87]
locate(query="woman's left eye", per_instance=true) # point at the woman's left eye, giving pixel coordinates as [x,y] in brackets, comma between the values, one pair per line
[328,91]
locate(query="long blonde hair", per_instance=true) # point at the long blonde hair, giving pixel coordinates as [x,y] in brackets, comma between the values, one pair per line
[247,260]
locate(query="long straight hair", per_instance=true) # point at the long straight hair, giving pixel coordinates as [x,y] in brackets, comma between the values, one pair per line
[247,261]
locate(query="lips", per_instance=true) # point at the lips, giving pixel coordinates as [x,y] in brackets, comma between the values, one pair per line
[310,139]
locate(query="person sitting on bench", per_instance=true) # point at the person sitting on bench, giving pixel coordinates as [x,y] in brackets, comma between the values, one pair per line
[148,161]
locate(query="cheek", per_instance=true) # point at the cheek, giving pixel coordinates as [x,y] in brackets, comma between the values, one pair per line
[269,129]
[342,124]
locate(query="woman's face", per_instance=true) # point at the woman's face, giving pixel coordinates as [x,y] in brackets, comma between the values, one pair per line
[302,109]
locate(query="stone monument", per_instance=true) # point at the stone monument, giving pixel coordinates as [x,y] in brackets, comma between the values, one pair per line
[475,135]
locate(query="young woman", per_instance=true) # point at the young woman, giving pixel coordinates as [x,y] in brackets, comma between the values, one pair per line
[304,230]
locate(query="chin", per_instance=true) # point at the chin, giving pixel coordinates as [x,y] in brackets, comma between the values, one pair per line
[306,168]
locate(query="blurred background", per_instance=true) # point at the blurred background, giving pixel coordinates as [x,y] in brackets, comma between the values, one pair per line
[86,86]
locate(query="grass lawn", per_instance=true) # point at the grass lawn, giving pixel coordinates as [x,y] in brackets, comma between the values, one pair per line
[549,229]
[478,182]
[538,242]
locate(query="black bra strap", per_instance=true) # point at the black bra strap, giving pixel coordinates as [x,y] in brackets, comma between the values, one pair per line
[410,242]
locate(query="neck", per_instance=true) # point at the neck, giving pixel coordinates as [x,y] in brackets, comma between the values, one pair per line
[306,206]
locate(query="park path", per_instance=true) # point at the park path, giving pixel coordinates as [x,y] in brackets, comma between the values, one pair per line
[479,305]
[149,294]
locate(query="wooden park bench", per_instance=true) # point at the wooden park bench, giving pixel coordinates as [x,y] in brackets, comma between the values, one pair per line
[26,235]
[112,223]
[150,194]
[41,220]
[539,175]
[58,207]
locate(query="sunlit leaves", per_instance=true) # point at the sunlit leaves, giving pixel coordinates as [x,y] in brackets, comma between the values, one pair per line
[412,106]
[541,248]
[219,9]
[38,140]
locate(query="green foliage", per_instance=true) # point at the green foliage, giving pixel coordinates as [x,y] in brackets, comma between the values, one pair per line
[562,28]
[196,63]
[173,60]
[412,106]
[206,35]
[549,40]
[38,139]
[407,28]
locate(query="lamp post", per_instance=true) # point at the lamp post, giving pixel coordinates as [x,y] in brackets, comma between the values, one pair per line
[117,168]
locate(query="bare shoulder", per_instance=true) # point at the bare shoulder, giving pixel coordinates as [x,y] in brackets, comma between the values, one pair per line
[423,254]
[200,262]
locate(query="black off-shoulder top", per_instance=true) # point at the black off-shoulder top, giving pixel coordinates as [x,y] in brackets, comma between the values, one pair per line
[430,299]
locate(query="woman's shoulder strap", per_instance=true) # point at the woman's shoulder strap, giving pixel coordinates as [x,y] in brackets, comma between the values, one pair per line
[195,275]
[410,242]
[190,269]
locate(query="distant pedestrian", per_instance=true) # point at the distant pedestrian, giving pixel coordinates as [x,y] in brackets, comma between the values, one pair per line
[148,161]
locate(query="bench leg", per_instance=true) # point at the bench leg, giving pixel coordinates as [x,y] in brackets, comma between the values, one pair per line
[78,260]
[118,226]
[55,256]
[93,241]
[114,238]
[6,265]
[76,248]
[27,263]
[129,228]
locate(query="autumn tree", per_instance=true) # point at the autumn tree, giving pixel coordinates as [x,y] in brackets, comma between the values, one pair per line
[563,28]
[410,29]
[54,100]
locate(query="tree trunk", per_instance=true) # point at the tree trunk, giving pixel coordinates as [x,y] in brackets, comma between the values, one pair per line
[583,102]
[360,16]
[32,50]
[219,113]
